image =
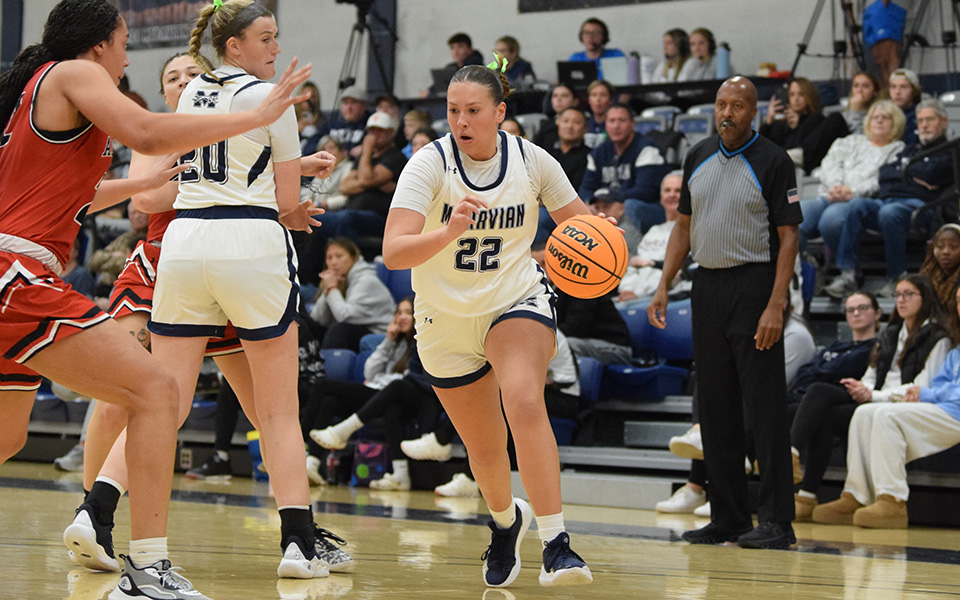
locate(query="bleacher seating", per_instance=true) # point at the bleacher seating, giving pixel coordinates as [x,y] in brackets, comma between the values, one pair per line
[675,342]
[703,109]
[591,376]
[441,126]
[665,111]
[644,125]
[398,282]
[339,363]
[531,123]
[762,108]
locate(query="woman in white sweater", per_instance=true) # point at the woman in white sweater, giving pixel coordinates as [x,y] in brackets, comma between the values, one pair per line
[850,171]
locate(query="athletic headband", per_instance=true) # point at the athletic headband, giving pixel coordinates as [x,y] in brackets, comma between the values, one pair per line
[244,18]
[952,226]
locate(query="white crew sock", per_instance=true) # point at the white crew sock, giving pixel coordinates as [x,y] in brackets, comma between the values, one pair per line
[505,518]
[344,429]
[147,551]
[549,527]
[401,469]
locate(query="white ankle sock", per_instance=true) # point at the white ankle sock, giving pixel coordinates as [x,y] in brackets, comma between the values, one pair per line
[147,551]
[401,469]
[550,526]
[505,518]
[806,494]
[344,429]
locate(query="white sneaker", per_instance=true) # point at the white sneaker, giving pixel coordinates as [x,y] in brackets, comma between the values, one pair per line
[72,461]
[313,471]
[426,447]
[688,445]
[390,482]
[328,438]
[460,486]
[703,510]
[684,500]
[296,566]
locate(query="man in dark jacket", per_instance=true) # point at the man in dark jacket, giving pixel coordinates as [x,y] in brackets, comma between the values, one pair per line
[462,54]
[899,195]
[630,165]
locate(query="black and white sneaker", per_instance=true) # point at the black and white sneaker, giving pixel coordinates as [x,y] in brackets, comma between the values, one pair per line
[502,557]
[561,565]
[213,469]
[90,543]
[159,581]
[297,563]
[328,550]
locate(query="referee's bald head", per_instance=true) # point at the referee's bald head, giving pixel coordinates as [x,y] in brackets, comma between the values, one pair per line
[742,85]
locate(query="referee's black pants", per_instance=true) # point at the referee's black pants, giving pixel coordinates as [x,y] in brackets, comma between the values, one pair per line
[735,380]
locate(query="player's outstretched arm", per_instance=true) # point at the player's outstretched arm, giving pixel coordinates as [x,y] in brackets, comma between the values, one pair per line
[156,200]
[88,87]
[156,177]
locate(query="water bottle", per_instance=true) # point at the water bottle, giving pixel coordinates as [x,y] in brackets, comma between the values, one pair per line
[333,467]
[723,60]
[633,68]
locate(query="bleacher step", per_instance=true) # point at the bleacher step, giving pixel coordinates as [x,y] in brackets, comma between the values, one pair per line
[610,490]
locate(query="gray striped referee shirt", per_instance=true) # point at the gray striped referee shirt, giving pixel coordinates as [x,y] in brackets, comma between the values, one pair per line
[736,200]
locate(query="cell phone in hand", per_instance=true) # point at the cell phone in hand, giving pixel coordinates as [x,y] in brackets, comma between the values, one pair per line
[783,97]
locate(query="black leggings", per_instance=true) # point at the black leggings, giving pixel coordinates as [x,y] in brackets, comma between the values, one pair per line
[824,414]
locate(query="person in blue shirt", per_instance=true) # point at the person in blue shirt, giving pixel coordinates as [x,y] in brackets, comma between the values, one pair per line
[595,36]
[884,437]
[883,25]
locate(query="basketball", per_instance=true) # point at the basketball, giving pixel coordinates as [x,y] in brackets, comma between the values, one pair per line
[586,256]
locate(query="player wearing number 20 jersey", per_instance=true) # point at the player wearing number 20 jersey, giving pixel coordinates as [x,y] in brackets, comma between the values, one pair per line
[226,246]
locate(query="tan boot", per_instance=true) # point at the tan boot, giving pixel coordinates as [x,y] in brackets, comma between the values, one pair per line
[838,512]
[804,507]
[886,513]
[797,469]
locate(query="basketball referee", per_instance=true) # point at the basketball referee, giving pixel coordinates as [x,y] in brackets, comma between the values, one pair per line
[739,213]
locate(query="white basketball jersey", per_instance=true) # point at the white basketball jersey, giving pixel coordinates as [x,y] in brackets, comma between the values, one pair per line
[233,172]
[489,267]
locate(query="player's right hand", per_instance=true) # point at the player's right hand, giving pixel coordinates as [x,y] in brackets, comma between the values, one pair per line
[657,309]
[465,214]
[279,99]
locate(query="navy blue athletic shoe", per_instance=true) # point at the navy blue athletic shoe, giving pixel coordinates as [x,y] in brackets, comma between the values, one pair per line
[561,565]
[503,554]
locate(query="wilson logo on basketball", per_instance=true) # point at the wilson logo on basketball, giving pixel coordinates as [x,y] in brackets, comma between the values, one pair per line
[567,263]
[580,237]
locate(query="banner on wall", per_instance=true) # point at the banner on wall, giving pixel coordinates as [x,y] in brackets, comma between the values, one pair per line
[159,23]
[545,5]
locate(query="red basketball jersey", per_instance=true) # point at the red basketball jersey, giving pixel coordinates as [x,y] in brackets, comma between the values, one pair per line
[158,225]
[48,179]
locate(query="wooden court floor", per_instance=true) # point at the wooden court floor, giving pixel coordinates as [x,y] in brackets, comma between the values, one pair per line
[413,545]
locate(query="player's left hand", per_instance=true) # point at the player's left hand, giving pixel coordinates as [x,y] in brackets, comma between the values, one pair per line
[769,328]
[302,218]
[319,164]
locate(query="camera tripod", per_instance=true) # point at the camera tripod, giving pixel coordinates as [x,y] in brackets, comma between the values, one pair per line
[853,39]
[351,58]
[948,37]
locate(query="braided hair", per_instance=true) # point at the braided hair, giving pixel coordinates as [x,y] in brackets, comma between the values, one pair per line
[72,28]
[227,21]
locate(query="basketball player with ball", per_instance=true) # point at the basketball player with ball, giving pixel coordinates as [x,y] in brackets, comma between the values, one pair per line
[463,218]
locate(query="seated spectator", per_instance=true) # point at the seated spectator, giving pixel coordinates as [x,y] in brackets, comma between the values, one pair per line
[513,127]
[794,126]
[461,54]
[421,138]
[347,126]
[884,437]
[904,89]
[600,99]
[394,388]
[390,104]
[106,263]
[646,264]
[325,193]
[561,98]
[611,204]
[369,189]
[883,25]
[864,91]
[702,63]
[850,170]
[942,263]
[352,300]
[629,164]
[519,72]
[819,400]
[899,194]
[676,52]
[413,121]
[569,149]
[595,36]
[309,116]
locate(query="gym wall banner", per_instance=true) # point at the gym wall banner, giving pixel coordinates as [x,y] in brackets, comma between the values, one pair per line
[159,23]
[547,5]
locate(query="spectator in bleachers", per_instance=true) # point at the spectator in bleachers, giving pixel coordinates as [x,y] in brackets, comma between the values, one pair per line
[883,25]
[513,127]
[600,99]
[569,149]
[884,437]
[850,170]
[595,36]
[942,263]
[702,63]
[347,126]
[325,193]
[352,300]
[822,404]
[610,203]
[390,104]
[106,263]
[798,350]
[864,91]
[900,193]
[629,164]
[413,121]
[644,270]
[794,125]
[676,52]
[904,89]
[394,388]
[461,55]
[421,138]
[519,72]
[309,115]
[368,187]
[561,98]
